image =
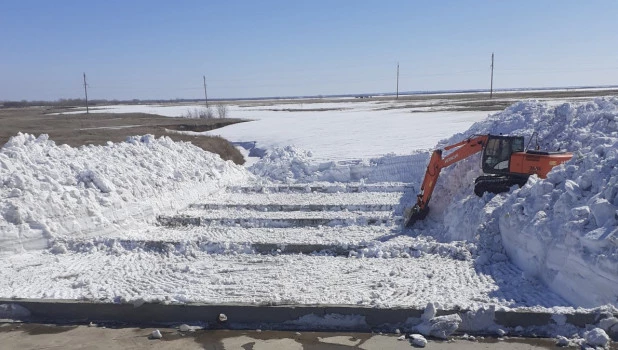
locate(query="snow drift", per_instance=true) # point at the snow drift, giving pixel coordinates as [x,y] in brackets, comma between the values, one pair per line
[561,230]
[48,190]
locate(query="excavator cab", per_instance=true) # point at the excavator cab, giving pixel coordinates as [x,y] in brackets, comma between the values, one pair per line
[497,154]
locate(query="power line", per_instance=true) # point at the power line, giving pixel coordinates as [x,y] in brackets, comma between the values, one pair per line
[332,81]
[420,75]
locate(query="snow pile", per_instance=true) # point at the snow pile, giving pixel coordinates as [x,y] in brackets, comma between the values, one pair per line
[48,190]
[293,165]
[281,164]
[437,326]
[561,230]
[595,338]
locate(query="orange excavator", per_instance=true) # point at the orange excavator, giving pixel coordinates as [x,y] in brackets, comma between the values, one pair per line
[504,159]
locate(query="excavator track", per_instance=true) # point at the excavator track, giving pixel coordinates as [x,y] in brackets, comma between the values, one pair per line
[497,184]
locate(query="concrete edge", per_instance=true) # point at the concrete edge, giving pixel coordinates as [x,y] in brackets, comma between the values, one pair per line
[284,317]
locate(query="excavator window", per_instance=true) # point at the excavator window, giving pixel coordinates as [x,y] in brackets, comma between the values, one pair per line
[497,154]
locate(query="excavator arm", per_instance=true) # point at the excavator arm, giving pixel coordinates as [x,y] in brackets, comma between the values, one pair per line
[462,150]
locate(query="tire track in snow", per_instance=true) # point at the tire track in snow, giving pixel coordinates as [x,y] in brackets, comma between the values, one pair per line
[222,262]
[282,279]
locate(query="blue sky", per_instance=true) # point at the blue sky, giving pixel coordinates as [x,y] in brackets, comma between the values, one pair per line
[161,49]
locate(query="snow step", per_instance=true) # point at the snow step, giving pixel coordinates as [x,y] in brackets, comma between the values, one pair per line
[296,207]
[214,247]
[329,249]
[278,222]
[311,198]
[349,235]
[326,188]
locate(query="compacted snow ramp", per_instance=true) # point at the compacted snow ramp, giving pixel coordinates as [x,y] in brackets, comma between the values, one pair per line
[257,255]
[278,244]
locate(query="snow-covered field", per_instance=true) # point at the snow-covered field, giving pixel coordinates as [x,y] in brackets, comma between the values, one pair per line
[331,131]
[346,131]
[316,218]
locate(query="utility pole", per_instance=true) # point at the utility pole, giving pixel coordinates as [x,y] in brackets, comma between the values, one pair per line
[491,87]
[397,81]
[205,94]
[86,92]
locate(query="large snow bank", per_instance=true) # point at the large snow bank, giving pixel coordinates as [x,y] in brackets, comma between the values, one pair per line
[48,190]
[561,230]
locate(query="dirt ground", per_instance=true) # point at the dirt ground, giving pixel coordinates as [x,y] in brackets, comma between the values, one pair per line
[40,336]
[97,129]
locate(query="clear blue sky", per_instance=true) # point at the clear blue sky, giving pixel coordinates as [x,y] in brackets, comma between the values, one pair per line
[161,49]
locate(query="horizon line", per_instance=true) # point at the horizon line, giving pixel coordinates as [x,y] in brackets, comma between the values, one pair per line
[319,96]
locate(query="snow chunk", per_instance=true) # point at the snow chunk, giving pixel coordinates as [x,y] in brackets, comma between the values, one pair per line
[562,341]
[610,326]
[89,177]
[58,248]
[479,320]
[573,189]
[429,313]
[186,328]
[418,340]
[440,327]
[501,332]
[603,211]
[607,323]
[596,337]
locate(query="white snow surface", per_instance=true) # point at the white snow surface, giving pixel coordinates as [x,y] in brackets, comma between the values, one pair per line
[561,230]
[48,190]
[345,131]
[79,223]
[334,130]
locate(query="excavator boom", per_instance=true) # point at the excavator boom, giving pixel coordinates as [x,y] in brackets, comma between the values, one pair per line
[462,150]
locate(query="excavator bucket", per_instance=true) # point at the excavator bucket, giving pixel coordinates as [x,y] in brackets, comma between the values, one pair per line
[412,215]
